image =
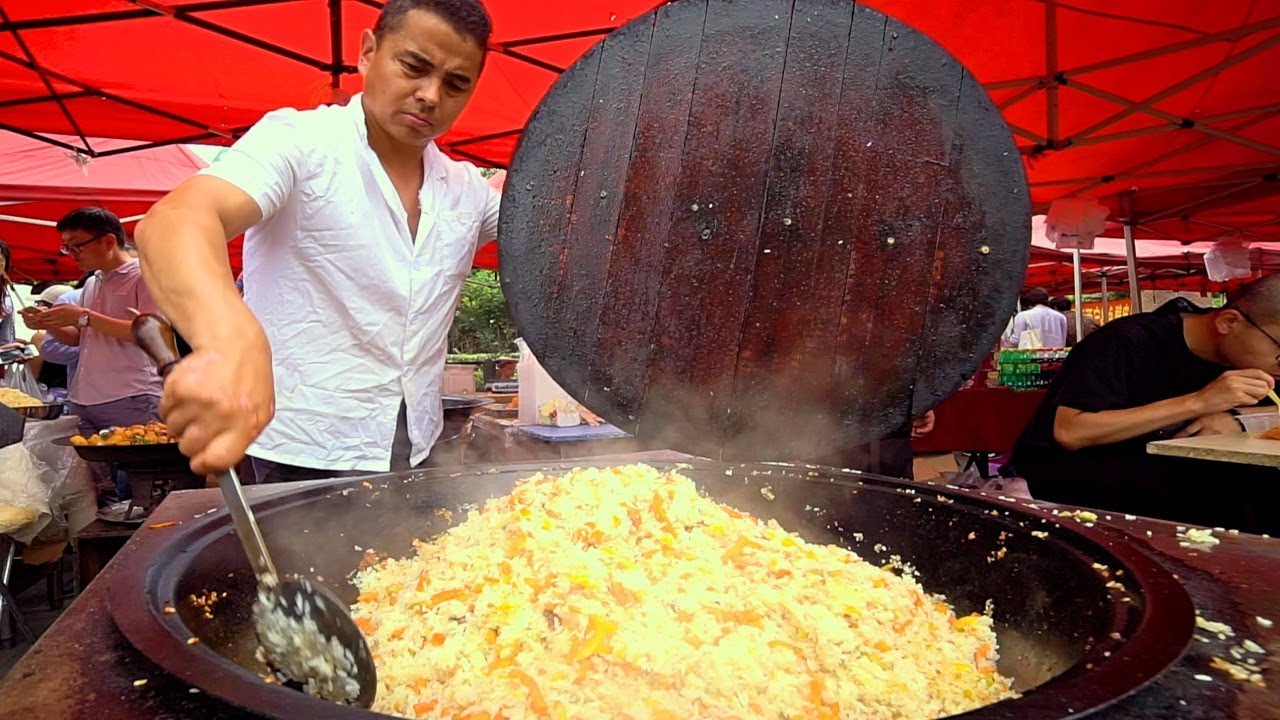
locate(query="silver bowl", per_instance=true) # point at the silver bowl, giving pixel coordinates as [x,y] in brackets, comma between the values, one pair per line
[50,411]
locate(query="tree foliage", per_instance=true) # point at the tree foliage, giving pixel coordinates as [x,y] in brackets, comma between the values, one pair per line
[481,325]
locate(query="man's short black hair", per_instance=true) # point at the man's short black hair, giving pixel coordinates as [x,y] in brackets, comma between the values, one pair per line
[95,221]
[466,16]
[1033,297]
[1060,304]
[1260,299]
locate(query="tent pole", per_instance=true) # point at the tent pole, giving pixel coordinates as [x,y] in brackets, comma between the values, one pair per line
[1105,314]
[335,43]
[1079,281]
[1131,257]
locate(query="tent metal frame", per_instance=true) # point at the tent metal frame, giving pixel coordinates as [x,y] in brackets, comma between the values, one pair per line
[190,14]
[1055,78]
[1226,127]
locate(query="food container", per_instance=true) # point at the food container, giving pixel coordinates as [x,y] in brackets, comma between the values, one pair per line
[48,411]
[1083,616]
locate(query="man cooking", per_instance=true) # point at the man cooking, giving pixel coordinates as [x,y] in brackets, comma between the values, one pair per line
[331,197]
[1179,371]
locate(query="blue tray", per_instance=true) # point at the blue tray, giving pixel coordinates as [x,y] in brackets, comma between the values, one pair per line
[548,433]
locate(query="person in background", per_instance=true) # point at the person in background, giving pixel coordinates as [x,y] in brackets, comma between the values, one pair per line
[1039,320]
[116,383]
[1064,305]
[1176,372]
[52,372]
[56,351]
[7,315]
[329,197]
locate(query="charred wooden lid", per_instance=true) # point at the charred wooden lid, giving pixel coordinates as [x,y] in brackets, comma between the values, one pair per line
[764,230]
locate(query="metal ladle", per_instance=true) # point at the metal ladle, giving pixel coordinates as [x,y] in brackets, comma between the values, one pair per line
[305,630]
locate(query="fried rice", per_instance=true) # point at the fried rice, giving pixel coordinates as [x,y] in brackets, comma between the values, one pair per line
[623,593]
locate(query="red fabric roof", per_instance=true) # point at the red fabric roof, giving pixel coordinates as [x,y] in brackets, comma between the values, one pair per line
[1167,110]
[39,183]
[1162,264]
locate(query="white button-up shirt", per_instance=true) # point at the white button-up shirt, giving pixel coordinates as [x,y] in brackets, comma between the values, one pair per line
[1051,324]
[357,311]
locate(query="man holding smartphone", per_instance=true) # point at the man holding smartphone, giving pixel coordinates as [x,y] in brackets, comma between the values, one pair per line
[116,383]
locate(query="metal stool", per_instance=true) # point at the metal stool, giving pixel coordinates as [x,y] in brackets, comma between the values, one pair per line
[8,603]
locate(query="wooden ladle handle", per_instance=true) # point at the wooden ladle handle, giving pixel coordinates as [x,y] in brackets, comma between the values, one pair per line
[155,335]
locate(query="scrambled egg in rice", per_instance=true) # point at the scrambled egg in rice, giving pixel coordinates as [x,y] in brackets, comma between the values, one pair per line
[623,593]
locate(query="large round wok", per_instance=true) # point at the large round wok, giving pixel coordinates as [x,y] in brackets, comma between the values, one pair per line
[1070,641]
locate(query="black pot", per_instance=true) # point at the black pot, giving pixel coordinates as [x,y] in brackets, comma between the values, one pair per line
[1071,643]
[156,456]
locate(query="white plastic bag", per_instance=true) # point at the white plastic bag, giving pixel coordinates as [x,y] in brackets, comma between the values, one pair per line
[24,499]
[1073,223]
[45,488]
[19,377]
[1228,260]
[1030,340]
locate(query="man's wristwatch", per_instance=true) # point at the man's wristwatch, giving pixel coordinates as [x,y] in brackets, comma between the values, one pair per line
[83,320]
[1239,420]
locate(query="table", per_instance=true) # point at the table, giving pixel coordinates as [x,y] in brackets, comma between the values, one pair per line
[96,544]
[83,668]
[1235,448]
[981,421]
[503,440]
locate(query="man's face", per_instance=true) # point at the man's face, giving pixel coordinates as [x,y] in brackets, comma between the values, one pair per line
[89,250]
[1245,343]
[418,77]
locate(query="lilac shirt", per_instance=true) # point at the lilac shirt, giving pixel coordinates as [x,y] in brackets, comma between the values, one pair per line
[54,351]
[112,369]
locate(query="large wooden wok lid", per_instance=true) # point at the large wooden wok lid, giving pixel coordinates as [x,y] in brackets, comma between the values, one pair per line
[763,229]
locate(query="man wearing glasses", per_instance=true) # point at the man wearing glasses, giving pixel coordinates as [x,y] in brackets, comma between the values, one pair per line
[116,382]
[1179,371]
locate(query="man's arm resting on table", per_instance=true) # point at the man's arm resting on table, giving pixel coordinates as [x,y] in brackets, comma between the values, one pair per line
[1075,429]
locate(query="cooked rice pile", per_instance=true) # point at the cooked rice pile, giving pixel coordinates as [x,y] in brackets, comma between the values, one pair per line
[15,398]
[622,593]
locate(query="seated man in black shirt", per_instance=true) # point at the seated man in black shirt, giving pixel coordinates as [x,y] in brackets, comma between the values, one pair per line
[1179,371]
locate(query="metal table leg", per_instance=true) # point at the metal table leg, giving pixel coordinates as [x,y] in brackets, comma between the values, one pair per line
[8,603]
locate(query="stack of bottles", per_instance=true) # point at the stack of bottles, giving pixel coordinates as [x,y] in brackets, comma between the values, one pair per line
[1029,369]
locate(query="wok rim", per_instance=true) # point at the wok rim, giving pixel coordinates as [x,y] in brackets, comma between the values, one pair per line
[1162,635]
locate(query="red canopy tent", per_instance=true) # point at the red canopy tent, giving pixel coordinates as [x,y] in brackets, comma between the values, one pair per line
[39,183]
[1161,264]
[1166,110]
